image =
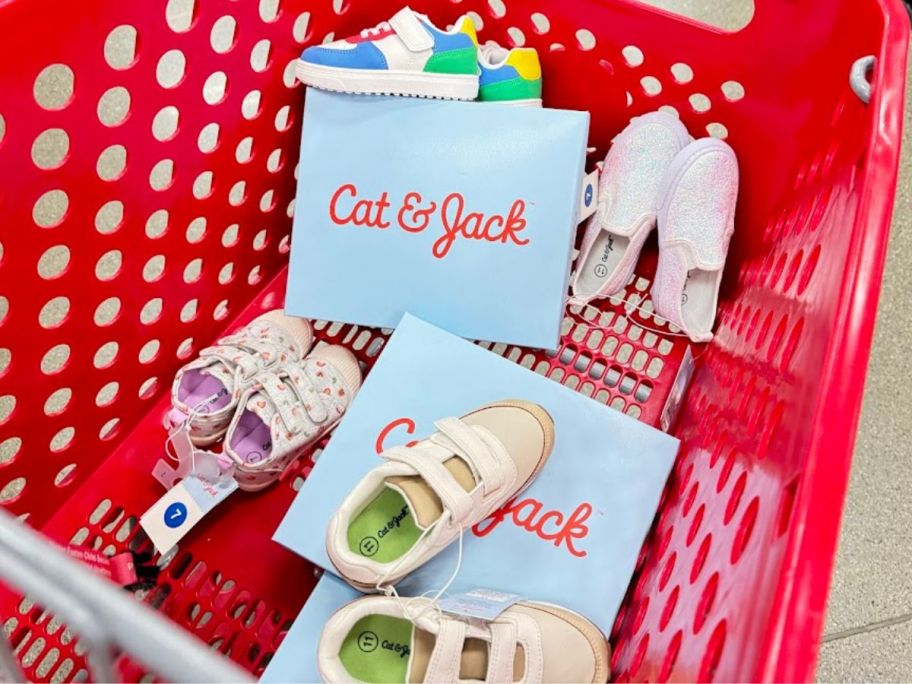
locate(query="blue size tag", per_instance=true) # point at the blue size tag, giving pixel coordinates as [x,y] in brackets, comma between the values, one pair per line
[182,506]
[482,604]
[175,515]
[588,196]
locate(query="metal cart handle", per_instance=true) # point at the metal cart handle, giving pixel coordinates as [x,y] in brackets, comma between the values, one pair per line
[105,617]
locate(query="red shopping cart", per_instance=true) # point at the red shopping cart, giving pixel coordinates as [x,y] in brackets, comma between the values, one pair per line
[147,164]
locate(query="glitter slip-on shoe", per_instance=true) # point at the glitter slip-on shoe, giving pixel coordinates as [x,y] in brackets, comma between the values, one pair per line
[288,410]
[408,509]
[205,391]
[406,55]
[696,222]
[386,639]
[629,194]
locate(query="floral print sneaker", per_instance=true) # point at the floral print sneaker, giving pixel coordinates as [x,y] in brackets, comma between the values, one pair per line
[287,410]
[205,392]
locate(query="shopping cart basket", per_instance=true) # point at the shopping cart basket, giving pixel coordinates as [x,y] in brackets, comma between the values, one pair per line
[147,159]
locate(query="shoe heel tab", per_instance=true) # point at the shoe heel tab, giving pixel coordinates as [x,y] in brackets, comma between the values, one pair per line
[467,26]
[525,61]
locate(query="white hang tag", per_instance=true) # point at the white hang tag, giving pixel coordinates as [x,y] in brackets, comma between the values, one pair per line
[480,604]
[190,460]
[172,516]
[588,195]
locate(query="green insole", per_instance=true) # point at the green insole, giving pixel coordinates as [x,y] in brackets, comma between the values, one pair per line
[377,649]
[385,529]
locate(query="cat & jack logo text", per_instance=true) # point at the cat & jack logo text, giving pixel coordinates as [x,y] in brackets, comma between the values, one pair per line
[415,214]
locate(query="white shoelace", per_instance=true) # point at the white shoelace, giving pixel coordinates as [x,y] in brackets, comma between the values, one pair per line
[390,590]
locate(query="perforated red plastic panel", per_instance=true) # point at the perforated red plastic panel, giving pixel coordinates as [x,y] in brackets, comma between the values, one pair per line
[146,179]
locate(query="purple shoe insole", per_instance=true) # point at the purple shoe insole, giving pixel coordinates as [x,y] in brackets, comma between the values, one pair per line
[196,387]
[251,440]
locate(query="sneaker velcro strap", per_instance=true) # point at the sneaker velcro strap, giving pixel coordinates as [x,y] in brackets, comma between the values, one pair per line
[284,399]
[501,652]
[250,354]
[478,447]
[233,357]
[409,28]
[457,501]
[309,395]
[446,657]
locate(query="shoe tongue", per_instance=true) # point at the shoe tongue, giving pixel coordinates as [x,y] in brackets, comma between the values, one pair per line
[494,54]
[422,648]
[424,503]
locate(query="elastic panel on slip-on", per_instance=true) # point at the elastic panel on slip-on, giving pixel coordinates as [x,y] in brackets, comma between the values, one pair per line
[378,649]
[299,329]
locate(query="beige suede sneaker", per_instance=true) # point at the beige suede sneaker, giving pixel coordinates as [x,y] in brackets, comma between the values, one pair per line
[408,509]
[373,639]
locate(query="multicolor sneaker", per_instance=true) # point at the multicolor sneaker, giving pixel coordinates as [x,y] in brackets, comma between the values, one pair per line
[205,392]
[288,410]
[406,55]
[509,76]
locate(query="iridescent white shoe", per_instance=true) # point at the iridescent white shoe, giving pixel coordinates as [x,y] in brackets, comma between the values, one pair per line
[696,221]
[629,194]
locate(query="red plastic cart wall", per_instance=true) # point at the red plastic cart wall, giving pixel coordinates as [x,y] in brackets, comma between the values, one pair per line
[109,280]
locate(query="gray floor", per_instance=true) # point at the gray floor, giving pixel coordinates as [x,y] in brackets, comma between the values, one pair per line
[868,637]
[869,623]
